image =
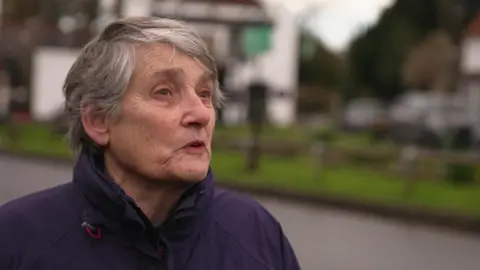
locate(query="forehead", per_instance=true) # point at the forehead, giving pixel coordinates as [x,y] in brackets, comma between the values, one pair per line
[151,58]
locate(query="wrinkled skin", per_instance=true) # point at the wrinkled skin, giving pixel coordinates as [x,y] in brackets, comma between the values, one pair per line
[168,104]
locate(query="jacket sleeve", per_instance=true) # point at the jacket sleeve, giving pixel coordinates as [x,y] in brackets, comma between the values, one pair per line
[6,260]
[14,237]
[9,245]
[289,259]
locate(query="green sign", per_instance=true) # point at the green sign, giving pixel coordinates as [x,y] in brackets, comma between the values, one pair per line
[256,40]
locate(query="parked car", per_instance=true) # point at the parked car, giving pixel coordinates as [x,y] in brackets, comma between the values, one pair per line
[362,113]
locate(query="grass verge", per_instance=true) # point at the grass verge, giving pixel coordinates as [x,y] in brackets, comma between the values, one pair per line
[297,175]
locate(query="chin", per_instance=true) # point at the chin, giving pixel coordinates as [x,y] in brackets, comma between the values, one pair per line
[192,172]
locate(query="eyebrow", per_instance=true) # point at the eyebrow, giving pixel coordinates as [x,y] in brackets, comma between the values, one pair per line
[206,76]
[168,72]
[176,73]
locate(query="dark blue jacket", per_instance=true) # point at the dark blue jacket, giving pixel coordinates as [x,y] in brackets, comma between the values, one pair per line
[91,224]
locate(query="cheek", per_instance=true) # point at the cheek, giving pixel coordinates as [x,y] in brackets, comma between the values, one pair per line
[214,116]
[156,135]
[130,131]
[211,125]
[140,142]
[150,128]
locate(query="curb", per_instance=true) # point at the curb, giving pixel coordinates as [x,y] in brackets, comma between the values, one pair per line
[40,158]
[397,213]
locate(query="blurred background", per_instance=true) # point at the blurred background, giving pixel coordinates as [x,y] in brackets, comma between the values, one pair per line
[356,122]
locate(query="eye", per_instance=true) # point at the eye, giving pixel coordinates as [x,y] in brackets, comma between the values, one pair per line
[163,92]
[207,93]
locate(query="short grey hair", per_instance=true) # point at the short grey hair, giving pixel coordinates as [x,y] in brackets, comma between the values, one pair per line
[102,71]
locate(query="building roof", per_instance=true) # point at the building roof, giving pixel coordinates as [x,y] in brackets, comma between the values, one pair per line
[227,12]
[237,2]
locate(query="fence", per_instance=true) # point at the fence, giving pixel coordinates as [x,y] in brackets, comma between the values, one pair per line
[407,163]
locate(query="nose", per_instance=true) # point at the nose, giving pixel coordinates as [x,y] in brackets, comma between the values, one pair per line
[196,113]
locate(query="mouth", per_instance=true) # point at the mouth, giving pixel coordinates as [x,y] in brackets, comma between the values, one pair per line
[196,144]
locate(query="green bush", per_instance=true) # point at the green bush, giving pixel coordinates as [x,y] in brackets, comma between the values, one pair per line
[460,174]
[324,135]
[460,140]
[379,131]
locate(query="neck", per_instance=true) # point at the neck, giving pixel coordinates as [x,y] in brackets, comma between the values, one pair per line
[155,199]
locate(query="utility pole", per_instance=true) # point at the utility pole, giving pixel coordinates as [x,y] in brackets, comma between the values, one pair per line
[450,16]
[451,20]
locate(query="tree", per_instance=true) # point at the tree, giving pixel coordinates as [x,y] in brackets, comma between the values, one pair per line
[324,68]
[19,10]
[321,75]
[426,65]
[376,56]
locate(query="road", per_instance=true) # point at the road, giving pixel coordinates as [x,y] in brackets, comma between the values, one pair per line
[323,239]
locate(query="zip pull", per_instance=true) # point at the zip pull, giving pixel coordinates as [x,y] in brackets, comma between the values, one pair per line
[93,231]
[161,252]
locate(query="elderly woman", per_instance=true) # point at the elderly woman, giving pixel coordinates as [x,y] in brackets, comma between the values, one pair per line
[141,102]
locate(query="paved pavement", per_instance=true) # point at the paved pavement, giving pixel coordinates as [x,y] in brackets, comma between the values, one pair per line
[323,239]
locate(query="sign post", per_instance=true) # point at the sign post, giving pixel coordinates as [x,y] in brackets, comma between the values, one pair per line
[256,40]
[257,92]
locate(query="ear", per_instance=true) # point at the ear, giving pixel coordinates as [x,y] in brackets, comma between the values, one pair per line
[96,126]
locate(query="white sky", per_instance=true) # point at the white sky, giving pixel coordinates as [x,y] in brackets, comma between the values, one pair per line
[337,21]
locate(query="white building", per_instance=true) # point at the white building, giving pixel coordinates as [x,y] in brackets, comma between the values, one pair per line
[218,22]
[470,68]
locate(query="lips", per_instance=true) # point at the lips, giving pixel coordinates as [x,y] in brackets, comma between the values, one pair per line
[196,144]
[196,147]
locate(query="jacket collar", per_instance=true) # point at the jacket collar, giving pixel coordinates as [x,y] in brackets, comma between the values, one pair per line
[106,204]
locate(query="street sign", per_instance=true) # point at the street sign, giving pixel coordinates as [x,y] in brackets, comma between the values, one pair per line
[256,40]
